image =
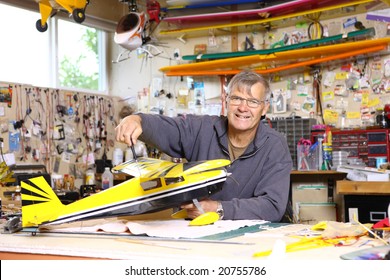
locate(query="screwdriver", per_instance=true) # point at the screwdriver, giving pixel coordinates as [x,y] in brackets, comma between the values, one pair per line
[133,151]
[135,156]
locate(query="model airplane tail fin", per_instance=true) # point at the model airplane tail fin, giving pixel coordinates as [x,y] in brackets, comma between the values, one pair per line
[39,202]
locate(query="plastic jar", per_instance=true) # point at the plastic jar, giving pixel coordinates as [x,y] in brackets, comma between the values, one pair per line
[57,181]
[117,157]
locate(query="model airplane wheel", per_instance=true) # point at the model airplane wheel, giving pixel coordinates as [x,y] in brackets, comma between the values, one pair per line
[78,15]
[40,27]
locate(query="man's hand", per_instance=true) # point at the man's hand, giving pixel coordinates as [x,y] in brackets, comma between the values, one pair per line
[208,205]
[129,129]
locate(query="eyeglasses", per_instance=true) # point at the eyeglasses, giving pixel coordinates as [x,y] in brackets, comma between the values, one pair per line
[251,103]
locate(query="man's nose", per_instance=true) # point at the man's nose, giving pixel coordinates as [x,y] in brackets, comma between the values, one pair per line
[243,105]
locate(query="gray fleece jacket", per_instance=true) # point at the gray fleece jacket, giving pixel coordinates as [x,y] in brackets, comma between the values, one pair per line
[258,187]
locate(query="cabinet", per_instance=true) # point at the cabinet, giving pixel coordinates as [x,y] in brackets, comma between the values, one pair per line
[293,129]
[369,201]
[366,144]
[313,196]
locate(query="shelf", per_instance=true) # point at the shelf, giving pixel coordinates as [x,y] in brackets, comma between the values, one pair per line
[362,188]
[316,172]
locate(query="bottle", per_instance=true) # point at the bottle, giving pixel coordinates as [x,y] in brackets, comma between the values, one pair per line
[90,176]
[117,157]
[17,196]
[107,179]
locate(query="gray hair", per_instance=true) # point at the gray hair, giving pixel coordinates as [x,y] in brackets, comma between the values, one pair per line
[126,110]
[244,81]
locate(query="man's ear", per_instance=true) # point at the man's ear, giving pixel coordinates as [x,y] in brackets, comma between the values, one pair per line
[265,109]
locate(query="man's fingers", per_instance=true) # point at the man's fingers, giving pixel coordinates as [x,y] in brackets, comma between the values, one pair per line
[129,130]
[188,206]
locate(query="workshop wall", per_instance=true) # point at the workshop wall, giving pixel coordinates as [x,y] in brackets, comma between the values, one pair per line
[66,142]
[138,79]
[64,130]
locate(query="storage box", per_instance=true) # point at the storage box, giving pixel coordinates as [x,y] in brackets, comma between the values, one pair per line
[307,157]
[293,130]
[357,173]
[313,213]
[315,193]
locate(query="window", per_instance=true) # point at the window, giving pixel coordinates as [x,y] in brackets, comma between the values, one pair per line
[68,55]
[24,52]
[78,56]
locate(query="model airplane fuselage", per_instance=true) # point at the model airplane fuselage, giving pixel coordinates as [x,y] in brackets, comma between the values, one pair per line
[75,7]
[159,185]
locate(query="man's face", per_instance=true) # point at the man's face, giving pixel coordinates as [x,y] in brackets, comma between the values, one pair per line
[245,115]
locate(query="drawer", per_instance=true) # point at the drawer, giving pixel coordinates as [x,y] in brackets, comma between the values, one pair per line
[377,149]
[376,137]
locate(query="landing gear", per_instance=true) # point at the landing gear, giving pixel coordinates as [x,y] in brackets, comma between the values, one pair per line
[40,27]
[78,15]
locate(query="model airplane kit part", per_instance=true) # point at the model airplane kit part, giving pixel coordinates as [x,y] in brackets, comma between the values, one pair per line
[267,20]
[236,62]
[369,32]
[281,68]
[243,14]
[196,5]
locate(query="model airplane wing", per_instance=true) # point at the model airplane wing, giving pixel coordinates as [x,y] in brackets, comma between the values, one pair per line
[276,58]
[281,60]
[145,167]
[252,13]
[318,7]
[156,168]
[357,35]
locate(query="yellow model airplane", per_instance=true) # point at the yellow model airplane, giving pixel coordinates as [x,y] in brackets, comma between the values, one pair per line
[158,185]
[74,7]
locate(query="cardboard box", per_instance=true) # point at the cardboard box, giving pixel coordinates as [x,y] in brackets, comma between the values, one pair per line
[310,193]
[313,213]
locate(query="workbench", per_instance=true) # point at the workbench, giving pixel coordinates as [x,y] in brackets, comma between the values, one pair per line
[23,245]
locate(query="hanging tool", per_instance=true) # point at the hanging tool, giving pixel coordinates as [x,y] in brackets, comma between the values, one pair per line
[249,45]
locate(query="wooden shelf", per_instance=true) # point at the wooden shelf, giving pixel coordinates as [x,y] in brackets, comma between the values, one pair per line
[316,172]
[362,188]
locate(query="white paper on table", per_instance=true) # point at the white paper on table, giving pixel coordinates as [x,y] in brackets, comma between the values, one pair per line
[156,228]
[181,228]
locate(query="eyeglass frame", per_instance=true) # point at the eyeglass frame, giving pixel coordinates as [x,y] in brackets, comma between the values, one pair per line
[252,101]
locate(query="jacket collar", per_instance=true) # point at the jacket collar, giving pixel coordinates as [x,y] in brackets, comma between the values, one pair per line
[221,127]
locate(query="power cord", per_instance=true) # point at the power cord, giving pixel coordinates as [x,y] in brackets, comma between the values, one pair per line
[1,150]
